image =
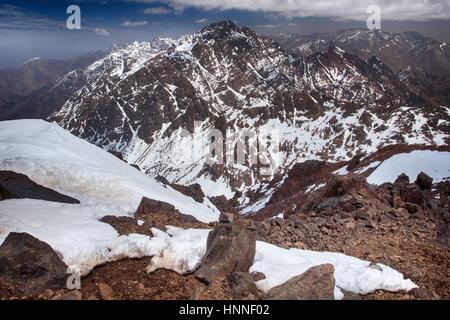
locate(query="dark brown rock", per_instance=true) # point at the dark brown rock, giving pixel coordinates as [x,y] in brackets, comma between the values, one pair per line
[227,217]
[424,181]
[257,276]
[117,154]
[414,194]
[230,248]
[30,265]
[194,191]
[18,186]
[159,214]
[243,287]
[219,289]
[316,283]
[341,185]
[223,204]
[162,180]
[127,225]
[402,179]
[71,295]
[106,292]
[411,207]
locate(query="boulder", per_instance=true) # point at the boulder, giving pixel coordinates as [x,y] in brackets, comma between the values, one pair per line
[127,225]
[401,180]
[162,179]
[71,295]
[159,214]
[224,204]
[230,248]
[151,206]
[338,186]
[18,186]
[235,286]
[257,276]
[243,287]
[194,191]
[316,283]
[414,194]
[424,181]
[411,207]
[30,265]
[227,217]
[106,292]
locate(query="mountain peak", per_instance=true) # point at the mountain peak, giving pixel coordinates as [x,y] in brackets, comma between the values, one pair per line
[224,24]
[221,30]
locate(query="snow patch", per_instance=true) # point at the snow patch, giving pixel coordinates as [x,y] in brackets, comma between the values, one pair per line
[74,231]
[436,164]
[56,159]
[187,247]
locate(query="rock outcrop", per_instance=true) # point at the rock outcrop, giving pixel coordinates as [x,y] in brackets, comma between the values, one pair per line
[14,185]
[194,191]
[316,283]
[160,214]
[230,248]
[30,265]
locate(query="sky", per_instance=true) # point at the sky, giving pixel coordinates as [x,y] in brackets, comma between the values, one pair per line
[38,28]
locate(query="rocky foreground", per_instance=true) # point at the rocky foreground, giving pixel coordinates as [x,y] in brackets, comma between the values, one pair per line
[403,224]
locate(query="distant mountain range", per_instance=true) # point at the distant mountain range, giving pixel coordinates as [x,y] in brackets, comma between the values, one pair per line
[397,50]
[33,75]
[424,63]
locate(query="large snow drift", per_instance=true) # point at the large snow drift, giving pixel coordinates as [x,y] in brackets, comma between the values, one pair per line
[53,157]
[74,232]
[436,164]
[186,248]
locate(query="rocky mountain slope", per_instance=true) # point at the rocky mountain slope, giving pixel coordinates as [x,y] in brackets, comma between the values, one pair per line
[107,67]
[397,50]
[422,63]
[47,245]
[33,76]
[358,185]
[329,105]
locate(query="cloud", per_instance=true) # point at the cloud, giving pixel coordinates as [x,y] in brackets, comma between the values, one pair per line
[10,10]
[101,32]
[134,23]
[13,17]
[405,10]
[267,26]
[157,10]
[204,20]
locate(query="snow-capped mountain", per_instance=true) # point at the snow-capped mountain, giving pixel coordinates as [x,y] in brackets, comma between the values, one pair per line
[330,105]
[397,50]
[106,69]
[421,63]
